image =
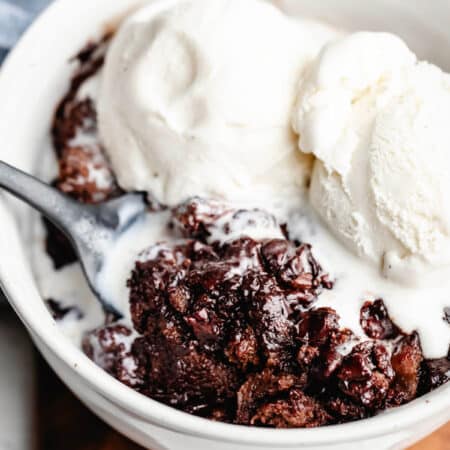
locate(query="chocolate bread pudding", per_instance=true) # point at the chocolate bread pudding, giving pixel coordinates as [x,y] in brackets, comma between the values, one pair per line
[233,312]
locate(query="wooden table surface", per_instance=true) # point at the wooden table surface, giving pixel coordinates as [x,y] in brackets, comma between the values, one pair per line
[64,423]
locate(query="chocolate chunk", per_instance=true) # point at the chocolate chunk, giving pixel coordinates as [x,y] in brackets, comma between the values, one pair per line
[406,362]
[317,327]
[366,374]
[376,322]
[434,373]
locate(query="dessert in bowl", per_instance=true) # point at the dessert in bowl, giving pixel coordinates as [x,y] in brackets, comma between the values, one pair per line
[247,329]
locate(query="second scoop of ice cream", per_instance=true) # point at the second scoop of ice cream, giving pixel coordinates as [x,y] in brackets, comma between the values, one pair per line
[378,125]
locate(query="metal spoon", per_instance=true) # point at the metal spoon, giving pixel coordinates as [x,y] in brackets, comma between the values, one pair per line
[92,229]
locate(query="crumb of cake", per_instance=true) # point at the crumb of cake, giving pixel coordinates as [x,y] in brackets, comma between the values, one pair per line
[262,388]
[110,346]
[84,170]
[84,175]
[70,113]
[210,221]
[75,117]
[297,411]
[342,409]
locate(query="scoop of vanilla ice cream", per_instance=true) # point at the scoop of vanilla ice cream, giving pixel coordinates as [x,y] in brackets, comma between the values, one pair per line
[196,99]
[377,122]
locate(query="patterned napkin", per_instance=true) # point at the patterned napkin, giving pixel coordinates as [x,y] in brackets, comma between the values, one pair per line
[15,16]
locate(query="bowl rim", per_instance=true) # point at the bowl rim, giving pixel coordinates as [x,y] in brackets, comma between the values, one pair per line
[149,410]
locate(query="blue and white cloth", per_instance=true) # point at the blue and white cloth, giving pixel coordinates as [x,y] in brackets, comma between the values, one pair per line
[15,17]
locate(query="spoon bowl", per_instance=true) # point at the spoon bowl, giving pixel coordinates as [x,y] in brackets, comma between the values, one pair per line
[92,229]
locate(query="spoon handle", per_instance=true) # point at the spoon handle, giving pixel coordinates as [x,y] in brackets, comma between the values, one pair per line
[53,204]
[90,228]
[87,228]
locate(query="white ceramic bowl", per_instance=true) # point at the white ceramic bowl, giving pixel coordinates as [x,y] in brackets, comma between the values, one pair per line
[31,83]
